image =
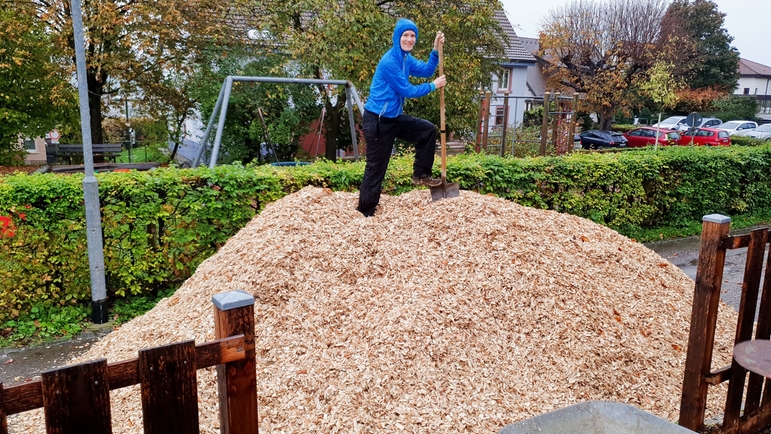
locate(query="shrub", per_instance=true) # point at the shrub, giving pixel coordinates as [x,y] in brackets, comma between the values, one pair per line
[747,141]
[159,225]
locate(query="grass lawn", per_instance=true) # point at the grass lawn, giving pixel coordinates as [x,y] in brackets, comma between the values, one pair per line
[143,154]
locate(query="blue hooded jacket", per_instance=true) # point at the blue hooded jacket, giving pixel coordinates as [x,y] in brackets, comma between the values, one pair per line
[391,84]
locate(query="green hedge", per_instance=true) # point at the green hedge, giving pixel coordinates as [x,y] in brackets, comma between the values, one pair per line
[747,141]
[159,225]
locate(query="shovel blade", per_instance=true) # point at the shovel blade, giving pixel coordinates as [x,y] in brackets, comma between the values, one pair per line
[445,191]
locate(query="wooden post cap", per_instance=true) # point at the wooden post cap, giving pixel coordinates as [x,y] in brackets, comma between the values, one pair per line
[232,299]
[716,218]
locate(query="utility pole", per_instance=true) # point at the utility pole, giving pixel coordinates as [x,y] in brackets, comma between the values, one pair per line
[99,313]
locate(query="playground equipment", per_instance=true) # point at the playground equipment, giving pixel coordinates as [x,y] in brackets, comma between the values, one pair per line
[221,110]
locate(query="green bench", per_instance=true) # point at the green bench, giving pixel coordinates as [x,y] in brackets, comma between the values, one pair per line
[101,152]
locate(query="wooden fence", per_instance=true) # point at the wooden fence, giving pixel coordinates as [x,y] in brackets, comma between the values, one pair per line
[76,399]
[747,409]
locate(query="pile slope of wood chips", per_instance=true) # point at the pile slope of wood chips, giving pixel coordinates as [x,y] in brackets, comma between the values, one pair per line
[461,315]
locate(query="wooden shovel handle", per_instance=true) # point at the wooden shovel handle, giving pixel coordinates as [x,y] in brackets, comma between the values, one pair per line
[442,127]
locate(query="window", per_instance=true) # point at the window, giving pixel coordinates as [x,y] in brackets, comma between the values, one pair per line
[723,135]
[746,90]
[499,115]
[503,79]
[29,145]
[711,123]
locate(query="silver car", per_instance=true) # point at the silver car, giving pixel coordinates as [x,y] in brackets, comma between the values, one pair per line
[762,132]
[671,123]
[734,127]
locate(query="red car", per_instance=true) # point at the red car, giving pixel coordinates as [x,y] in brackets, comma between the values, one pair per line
[644,136]
[705,137]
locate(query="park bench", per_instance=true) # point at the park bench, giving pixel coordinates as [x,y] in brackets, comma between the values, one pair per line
[76,398]
[101,152]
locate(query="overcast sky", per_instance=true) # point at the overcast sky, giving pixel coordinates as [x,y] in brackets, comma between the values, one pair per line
[745,20]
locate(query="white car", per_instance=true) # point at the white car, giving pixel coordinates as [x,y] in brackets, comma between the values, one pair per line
[762,132]
[705,123]
[733,127]
[670,123]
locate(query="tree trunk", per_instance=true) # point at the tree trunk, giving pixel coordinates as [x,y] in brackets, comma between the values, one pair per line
[332,126]
[95,82]
[179,136]
[606,119]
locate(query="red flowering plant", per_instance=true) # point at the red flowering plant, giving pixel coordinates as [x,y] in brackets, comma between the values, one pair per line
[7,226]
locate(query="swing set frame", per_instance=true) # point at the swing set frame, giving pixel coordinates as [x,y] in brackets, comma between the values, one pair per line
[221,110]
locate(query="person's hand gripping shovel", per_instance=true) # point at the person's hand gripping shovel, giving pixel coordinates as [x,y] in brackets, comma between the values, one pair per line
[446,189]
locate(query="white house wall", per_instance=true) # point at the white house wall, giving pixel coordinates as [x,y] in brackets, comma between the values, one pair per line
[756,86]
[517,88]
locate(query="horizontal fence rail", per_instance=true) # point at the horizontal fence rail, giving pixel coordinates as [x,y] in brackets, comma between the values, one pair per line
[76,399]
[29,396]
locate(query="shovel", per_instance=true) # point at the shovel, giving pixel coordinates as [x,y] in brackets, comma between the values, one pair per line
[447,189]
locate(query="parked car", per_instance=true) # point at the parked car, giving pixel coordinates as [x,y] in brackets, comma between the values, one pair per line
[644,136]
[735,126]
[670,123]
[596,139]
[705,136]
[705,123]
[762,132]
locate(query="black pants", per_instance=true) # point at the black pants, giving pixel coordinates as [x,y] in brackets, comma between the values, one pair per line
[380,133]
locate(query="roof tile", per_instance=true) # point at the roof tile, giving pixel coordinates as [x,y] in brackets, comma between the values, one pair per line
[514,50]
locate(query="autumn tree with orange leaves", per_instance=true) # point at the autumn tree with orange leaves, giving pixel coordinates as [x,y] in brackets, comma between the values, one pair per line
[600,50]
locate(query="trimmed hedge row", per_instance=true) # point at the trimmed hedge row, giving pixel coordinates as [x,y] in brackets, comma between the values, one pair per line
[158,226]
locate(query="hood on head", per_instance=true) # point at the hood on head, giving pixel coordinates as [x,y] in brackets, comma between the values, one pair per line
[402,26]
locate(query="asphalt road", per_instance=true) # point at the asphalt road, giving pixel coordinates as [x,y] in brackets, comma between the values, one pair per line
[18,365]
[684,253]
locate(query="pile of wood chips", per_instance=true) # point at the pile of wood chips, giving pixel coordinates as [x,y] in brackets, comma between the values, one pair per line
[461,315]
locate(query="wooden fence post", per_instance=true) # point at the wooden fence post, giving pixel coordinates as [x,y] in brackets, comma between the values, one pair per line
[76,399]
[3,422]
[751,288]
[701,340]
[480,119]
[505,122]
[555,122]
[545,122]
[237,381]
[573,120]
[169,387]
[486,131]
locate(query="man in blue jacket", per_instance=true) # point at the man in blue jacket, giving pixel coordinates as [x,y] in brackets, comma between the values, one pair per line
[384,120]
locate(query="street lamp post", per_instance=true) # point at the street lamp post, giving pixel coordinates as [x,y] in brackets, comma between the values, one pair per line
[99,314]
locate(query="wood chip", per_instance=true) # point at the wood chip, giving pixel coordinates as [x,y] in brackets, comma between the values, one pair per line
[461,315]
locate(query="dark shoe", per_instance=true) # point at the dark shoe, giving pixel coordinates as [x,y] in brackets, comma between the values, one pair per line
[427,181]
